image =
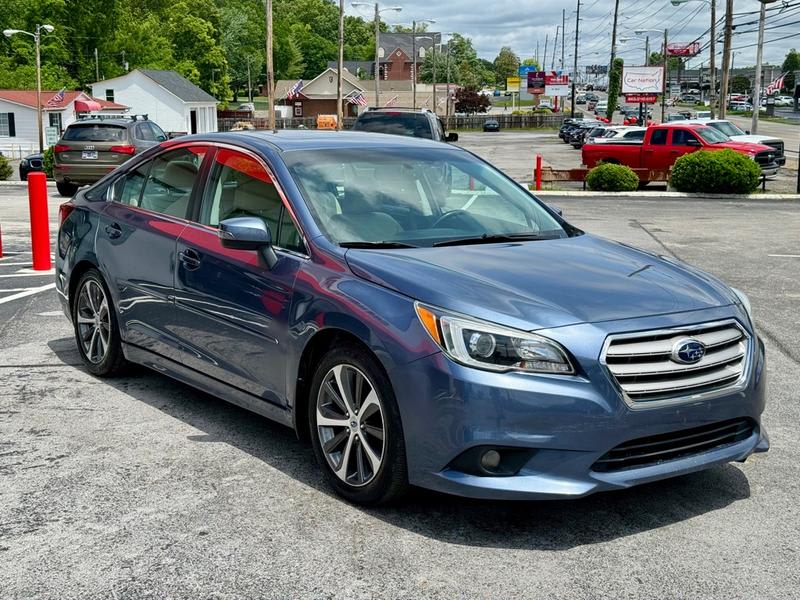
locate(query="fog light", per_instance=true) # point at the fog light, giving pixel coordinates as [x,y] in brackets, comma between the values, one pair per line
[490,460]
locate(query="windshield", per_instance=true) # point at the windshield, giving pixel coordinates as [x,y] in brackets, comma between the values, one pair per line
[728,129]
[711,135]
[414,196]
[397,123]
[94,133]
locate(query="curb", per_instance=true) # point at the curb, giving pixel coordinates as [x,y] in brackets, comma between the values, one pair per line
[670,195]
[23,183]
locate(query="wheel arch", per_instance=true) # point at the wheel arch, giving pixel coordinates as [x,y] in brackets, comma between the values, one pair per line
[75,276]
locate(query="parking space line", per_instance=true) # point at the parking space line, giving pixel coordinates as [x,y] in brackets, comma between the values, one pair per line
[25,264]
[29,292]
[784,255]
[29,274]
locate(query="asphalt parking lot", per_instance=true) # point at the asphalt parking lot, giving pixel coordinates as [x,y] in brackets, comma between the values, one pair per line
[143,487]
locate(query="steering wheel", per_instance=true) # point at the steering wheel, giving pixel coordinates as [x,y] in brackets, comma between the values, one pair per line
[458,215]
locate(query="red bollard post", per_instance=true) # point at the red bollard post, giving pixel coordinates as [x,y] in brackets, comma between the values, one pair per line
[538,171]
[40,226]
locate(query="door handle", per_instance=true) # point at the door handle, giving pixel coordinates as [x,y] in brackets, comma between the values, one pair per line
[113,231]
[190,259]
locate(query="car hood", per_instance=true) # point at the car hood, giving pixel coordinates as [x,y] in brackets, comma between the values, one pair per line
[749,147]
[754,139]
[543,284]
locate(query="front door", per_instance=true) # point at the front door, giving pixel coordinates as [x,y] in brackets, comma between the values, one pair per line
[232,311]
[136,242]
[657,154]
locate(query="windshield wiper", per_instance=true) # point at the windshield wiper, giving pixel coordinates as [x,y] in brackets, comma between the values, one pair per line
[376,245]
[494,238]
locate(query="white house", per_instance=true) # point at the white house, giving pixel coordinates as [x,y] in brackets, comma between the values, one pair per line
[19,134]
[169,99]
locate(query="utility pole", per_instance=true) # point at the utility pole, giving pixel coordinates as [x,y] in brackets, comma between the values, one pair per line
[664,86]
[759,56]
[726,58]
[555,45]
[339,67]
[435,107]
[270,73]
[712,66]
[249,83]
[96,66]
[544,62]
[575,63]
[377,56]
[614,37]
[563,34]
[414,64]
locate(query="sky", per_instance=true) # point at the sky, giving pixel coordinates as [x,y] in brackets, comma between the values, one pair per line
[520,24]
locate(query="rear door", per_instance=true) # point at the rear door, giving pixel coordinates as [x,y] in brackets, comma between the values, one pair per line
[657,154]
[232,311]
[136,242]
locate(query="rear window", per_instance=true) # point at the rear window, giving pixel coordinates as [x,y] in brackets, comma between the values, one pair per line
[409,124]
[95,132]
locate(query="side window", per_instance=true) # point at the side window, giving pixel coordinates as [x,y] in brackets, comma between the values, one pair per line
[170,181]
[681,137]
[143,132]
[239,186]
[659,137]
[158,133]
[128,189]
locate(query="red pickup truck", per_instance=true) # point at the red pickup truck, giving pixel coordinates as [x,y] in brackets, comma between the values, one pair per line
[663,144]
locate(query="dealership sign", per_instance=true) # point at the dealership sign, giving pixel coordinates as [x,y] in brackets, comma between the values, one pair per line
[691,49]
[556,85]
[512,84]
[536,82]
[642,80]
[641,98]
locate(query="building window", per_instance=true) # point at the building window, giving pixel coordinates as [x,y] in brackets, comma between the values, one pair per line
[421,52]
[109,95]
[381,52]
[55,120]
[7,125]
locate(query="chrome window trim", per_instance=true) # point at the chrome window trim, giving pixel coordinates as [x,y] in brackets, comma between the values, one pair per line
[735,386]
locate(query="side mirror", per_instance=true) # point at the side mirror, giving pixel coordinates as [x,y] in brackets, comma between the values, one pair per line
[747,131]
[556,209]
[693,142]
[248,233]
[451,137]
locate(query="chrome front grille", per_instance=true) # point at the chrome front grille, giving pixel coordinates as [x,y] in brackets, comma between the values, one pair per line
[646,369]
[778,148]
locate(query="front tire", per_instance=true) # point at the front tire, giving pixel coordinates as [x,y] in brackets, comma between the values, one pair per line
[355,427]
[96,330]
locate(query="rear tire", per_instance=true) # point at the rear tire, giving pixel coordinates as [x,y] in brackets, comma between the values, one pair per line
[66,189]
[355,427]
[96,331]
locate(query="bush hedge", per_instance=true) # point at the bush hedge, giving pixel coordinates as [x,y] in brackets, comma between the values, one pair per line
[608,177]
[47,162]
[5,168]
[715,172]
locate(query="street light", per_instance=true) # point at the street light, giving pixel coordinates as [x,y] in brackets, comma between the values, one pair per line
[36,38]
[414,59]
[712,49]
[664,81]
[378,12]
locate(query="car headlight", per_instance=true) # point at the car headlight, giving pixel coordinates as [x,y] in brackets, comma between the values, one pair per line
[745,302]
[492,347]
[23,162]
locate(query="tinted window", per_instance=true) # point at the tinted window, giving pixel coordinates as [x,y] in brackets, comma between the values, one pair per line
[143,132]
[128,189]
[239,186]
[712,136]
[681,137]
[158,133]
[659,137]
[170,181]
[397,123]
[634,135]
[95,132]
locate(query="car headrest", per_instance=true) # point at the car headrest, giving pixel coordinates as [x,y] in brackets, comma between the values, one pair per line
[180,175]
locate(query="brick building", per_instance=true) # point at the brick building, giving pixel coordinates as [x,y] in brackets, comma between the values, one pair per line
[395,51]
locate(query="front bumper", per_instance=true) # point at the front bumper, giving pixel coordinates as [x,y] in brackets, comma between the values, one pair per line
[567,422]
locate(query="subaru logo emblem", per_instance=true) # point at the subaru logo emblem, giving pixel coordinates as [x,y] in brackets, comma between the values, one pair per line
[688,351]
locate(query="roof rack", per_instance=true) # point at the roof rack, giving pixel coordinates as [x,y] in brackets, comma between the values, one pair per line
[101,117]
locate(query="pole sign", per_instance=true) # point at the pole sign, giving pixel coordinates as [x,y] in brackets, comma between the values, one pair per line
[512,84]
[686,50]
[641,98]
[51,136]
[642,80]
[536,82]
[525,69]
[556,85]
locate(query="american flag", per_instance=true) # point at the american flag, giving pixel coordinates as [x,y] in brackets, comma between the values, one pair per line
[57,99]
[294,91]
[392,101]
[360,100]
[775,86]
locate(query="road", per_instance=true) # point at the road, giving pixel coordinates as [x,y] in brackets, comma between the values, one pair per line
[142,487]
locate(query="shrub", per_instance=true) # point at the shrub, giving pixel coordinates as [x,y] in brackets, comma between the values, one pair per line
[608,177]
[5,168]
[47,162]
[715,172]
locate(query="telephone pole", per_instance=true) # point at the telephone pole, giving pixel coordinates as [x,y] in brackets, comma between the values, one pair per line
[563,34]
[339,67]
[726,58]
[270,73]
[575,62]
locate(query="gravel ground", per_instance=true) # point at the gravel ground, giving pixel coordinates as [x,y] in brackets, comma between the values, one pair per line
[142,487]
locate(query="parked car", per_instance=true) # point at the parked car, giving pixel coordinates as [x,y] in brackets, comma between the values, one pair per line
[246,107]
[676,117]
[91,147]
[580,99]
[737,135]
[414,313]
[784,101]
[663,144]
[592,97]
[578,133]
[693,98]
[570,125]
[621,135]
[740,106]
[30,164]
[411,122]
[491,125]
[601,108]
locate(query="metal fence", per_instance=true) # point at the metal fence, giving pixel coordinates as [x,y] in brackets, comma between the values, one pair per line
[227,124]
[17,151]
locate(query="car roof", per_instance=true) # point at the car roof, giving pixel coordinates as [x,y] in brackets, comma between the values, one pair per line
[104,121]
[685,123]
[311,139]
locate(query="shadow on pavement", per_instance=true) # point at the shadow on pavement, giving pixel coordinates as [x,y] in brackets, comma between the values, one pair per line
[546,525]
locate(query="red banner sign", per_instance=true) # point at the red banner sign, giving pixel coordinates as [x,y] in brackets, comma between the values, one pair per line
[643,98]
[692,49]
[536,82]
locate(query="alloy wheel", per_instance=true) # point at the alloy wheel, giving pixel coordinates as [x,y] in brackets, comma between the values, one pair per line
[351,425]
[94,321]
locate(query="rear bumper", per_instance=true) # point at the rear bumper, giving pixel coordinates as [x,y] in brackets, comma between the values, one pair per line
[81,174]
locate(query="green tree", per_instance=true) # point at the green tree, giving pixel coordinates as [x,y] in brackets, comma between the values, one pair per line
[614,86]
[532,62]
[740,84]
[790,64]
[506,64]
[469,101]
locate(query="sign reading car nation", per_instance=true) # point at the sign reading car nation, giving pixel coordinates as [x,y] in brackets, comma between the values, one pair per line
[556,85]
[536,82]
[642,80]
[641,98]
[512,84]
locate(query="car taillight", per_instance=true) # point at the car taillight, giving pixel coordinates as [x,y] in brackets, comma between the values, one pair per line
[64,210]
[124,149]
[61,148]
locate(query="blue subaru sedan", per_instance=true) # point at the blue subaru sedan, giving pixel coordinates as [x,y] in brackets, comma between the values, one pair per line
[413,313]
